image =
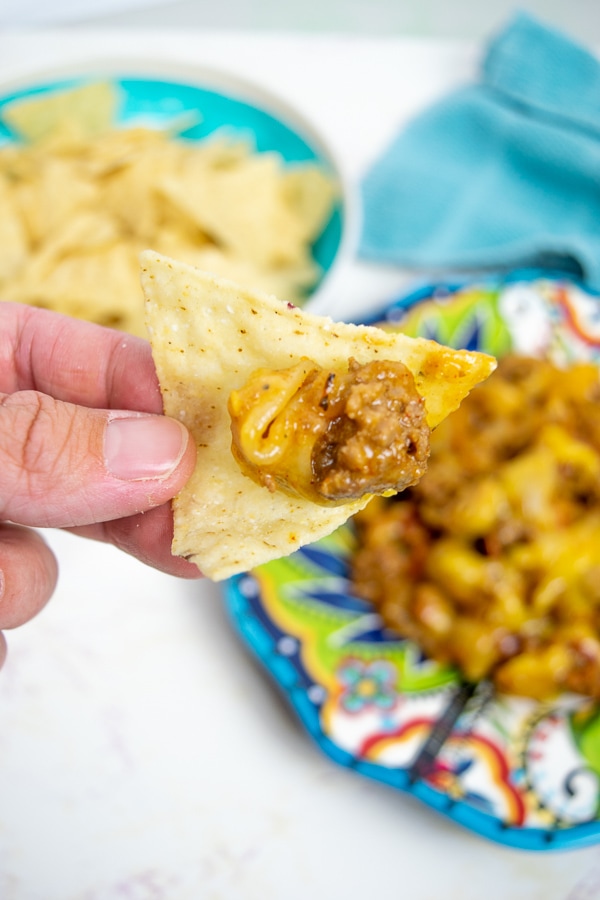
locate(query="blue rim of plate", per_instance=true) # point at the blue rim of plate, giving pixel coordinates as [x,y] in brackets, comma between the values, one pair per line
[263,606]
[163,99]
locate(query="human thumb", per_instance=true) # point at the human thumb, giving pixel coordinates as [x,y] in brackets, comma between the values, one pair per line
[63,465]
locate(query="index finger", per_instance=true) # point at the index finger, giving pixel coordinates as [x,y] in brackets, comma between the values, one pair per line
[75,361]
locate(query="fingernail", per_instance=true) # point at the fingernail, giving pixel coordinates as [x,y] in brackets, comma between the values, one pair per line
[140,447]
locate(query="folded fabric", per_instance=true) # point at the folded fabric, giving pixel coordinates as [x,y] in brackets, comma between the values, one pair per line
[503,173]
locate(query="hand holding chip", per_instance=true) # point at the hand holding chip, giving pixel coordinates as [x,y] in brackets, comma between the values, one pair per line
[83,447]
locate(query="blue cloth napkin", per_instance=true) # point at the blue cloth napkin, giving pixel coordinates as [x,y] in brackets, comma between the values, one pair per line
[502,173]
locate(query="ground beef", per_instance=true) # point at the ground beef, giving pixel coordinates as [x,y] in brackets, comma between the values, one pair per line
[377,438]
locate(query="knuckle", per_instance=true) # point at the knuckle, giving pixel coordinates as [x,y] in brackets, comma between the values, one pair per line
[25,411]
[34,440]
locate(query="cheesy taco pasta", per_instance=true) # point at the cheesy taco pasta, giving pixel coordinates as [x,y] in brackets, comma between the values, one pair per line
[492,562]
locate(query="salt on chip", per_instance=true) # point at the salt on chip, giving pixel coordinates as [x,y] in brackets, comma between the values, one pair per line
[208,336]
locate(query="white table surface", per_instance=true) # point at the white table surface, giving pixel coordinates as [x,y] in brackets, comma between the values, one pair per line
[144,755]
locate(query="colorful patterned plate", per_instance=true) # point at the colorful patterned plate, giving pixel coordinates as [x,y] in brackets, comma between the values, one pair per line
[519,772]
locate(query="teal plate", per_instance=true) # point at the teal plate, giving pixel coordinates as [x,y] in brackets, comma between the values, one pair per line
[222,102]
[519,772]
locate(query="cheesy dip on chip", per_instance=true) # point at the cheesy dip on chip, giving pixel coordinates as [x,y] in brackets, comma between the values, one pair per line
[298,420]
[328,435]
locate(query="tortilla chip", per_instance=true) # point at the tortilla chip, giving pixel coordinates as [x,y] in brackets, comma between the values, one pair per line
[76,182]
[208,335]
[91,108]
[243,209]
[13,237]
[52,198]
[310,193]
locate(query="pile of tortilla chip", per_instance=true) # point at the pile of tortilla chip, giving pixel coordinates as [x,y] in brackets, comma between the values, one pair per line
[81,197]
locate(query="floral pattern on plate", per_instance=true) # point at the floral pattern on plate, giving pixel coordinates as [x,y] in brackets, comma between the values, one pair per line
[514,770]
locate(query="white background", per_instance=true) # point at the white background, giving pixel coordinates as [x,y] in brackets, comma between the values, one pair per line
[143,753]
[429,18]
